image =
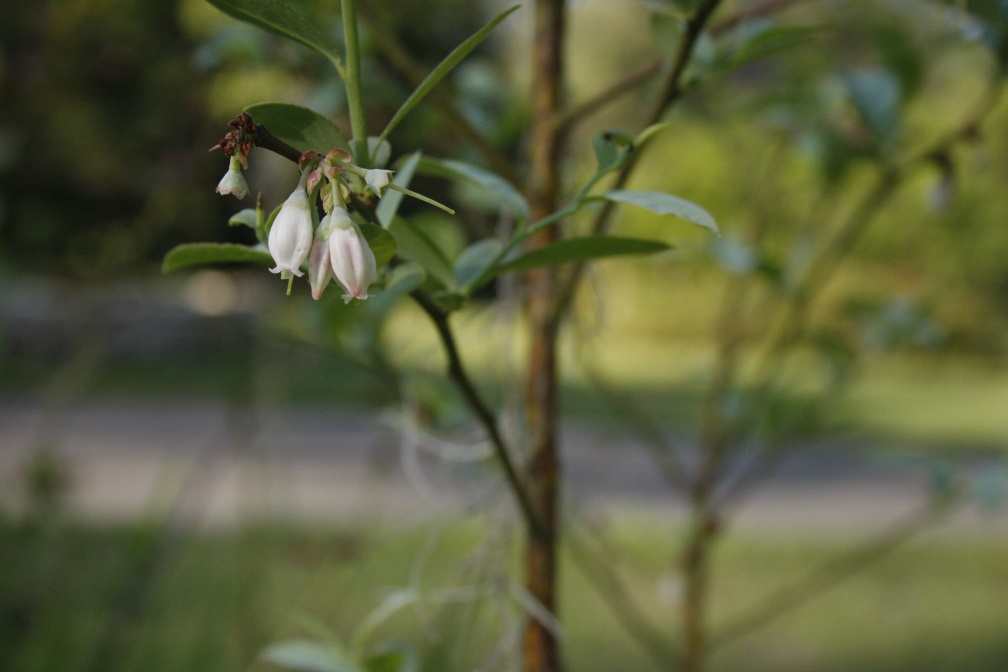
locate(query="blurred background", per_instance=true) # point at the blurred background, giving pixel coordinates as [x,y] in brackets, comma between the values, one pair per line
[194,466]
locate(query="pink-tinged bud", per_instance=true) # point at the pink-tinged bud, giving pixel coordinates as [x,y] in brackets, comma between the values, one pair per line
[339,154]
[319,267]
[233,182]
[353,262]
[314,177]
[290,238]
[377,180]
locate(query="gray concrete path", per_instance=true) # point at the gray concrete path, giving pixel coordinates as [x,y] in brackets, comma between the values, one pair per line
[209,463]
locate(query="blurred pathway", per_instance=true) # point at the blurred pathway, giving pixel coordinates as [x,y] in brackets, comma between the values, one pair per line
[208,463]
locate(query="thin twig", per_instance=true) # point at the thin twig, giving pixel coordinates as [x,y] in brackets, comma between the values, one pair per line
[614,591]
[644,72]
[826,577]
[458,375]
[752,12]
[456,370]
[671,92]
[610,94]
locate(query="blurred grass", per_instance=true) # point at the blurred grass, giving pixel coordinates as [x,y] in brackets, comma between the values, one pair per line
[138,598]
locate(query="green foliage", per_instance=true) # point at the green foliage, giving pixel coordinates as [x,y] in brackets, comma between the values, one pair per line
[584,248]
[307,656]
[298,126]
[205,254]
[297,19]
[389,205]
[415,245]
[480,177]
[665,204]
[442,69]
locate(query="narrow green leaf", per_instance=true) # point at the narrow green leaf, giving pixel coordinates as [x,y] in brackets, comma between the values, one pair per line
[381,242]
[468,173]
[247,217]
[298,126]
[414,245]
[877,96]
[388,206]
[475,261]
[284,18]
[442,69]
[305,656]
[771,41]
[390,606]
[204,254]
[582,249]
[664,204]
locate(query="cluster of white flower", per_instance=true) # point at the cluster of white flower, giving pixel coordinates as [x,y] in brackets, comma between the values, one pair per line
[337,249]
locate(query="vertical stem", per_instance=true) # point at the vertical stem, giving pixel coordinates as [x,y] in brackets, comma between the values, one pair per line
[541,651]
[696,571]
[355,101]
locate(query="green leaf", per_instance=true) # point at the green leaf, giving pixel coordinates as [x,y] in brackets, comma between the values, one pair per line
[467,172]
[298,126]
[204,254]
[475,261]
[286,18]
[405,278]
[379,151]
[612,149]
[442,69]
[661,203]
[305,656]
[772,41]
[414,245]
[388,206]
[877,96]
[392,658]
[381,242]
[247,217]
[582,249]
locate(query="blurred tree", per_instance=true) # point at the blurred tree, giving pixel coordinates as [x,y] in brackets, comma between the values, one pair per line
[91,145]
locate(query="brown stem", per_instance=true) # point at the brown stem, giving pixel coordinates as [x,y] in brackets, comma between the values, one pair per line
[696,576]
[266,140]
[541,649]
[458,375]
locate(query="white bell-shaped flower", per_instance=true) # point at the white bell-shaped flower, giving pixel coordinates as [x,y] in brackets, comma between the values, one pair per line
[290,237]
[233,181]
[353,262]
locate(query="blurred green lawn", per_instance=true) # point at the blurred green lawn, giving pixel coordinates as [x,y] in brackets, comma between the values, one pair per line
[134,598]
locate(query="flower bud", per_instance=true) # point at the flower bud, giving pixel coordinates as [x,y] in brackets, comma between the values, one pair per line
[320,270]
[353,262]
[233,181]
[377,180]
[290,237]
